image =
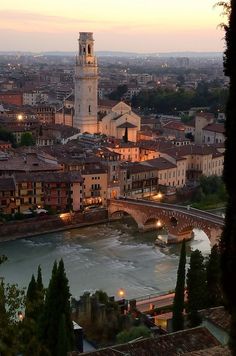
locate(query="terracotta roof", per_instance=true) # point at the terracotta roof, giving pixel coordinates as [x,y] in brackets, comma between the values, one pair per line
[215,128]
[137,167]
[186,150]
[213,351]
[218,316]
[173,125]
[49,177]
[178,343]
[207,115]
[159,163]
[129,125]
[29,164]
[158,145]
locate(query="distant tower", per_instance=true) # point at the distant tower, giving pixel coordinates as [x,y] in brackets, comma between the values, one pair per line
[86,83]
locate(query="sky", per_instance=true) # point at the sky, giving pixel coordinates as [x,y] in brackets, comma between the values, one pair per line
[144,26]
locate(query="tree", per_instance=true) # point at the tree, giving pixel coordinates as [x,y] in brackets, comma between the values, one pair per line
[119,92]
[7,136]
[31,299]
[27,139]
[11,301]
[213,276]
[178,305]
[228,239]
[56,312]
[196,287]
[35,298]
[132,334]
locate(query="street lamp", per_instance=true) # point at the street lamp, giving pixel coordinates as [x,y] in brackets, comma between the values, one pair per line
[121,293]
[20,315]
[159,195]
[159,224]
[19,117]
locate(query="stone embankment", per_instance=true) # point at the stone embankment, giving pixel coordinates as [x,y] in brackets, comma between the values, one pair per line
[46,224]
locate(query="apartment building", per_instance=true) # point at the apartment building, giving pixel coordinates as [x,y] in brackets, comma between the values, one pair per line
[138,180]
[59,191]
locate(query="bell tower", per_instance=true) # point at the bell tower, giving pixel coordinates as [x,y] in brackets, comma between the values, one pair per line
[86,83]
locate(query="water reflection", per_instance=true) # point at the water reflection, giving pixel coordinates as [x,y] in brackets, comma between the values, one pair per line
[107,256]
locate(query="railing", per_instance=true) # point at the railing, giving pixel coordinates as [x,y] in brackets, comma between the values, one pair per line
[151,296]
[175,207]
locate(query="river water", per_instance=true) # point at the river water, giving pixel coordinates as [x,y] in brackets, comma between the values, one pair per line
[108,257]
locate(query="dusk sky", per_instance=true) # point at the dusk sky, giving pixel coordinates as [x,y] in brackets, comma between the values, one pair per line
[118,25]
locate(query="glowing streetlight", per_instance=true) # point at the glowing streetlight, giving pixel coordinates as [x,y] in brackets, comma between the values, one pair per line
[159,224]
[20,316]
[159,195]
[19,117]
[121,293]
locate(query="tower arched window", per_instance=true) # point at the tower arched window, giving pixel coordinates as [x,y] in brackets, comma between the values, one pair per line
[89,108]
[89,49]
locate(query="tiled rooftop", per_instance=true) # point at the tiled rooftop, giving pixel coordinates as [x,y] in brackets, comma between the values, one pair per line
[213,351]
[178,343]
[159,163]
[218,316]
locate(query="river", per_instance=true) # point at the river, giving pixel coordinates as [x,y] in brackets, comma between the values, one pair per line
[108,257]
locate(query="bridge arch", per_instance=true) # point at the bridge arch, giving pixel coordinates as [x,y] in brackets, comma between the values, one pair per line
[177,220]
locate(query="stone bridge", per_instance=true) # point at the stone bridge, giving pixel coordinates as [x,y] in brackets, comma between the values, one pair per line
[179,221]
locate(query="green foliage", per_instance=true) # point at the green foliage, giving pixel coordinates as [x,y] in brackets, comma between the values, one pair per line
[178,304]
[213,275]
[211,193]
[27,139]
[35,298]
[169,101]
[62,344]
[132,334]
[11,301]
[119,92]
[3,259]
[228,239]
[196,287]
[186,118]
[57,306]
[7,136]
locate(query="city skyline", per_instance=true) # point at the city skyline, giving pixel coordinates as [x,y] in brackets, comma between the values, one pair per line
[136,26]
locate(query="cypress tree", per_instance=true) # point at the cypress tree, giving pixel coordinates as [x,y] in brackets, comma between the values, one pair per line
[62,345]
[39,279]
[57,304]
[31,299]
[213,276]
[228,239]
[178,305]
[196,287]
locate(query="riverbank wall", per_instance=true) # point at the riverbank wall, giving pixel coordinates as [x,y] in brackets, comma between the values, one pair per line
[47,224]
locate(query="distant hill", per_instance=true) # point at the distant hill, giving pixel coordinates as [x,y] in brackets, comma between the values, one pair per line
[120,54]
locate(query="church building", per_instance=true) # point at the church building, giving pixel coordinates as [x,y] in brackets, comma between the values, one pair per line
[120,122]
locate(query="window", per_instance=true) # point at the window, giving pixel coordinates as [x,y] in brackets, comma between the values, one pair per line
[89,108]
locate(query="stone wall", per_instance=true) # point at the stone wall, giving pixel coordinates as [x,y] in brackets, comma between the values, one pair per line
[45,224]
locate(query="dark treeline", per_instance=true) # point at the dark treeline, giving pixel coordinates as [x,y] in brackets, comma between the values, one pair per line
[199,289]
[169,101]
